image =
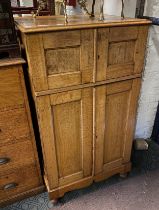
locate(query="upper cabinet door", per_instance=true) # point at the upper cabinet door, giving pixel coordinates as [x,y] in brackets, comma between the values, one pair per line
[66,128]
[120,51]
[61,59]
[115,120]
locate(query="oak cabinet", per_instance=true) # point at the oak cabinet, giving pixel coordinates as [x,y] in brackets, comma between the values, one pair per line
[85,78]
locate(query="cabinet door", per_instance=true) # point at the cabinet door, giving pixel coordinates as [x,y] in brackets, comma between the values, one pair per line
[115,120]
[120,51]
[66,128]
[61,59]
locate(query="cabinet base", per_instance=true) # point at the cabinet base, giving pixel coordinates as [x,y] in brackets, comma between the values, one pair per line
[59,192]
[122,170]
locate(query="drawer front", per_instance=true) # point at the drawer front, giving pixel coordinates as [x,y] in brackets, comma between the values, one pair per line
[19,181]
[10,87]
[16,155]
[120,51]
[61,59]
[13,125]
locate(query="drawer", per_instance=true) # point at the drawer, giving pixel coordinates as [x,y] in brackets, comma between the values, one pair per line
[61,59]
[18,181]
[16,155]
[13,125]
[11,94]
[120,51]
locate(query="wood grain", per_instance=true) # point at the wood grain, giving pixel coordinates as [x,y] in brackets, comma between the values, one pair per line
[71,128]
[63,60]
[140,49]
[19,154]
[85,90]
[123,33]
[112,117]
[61,39]
[17,141]
[13,125]
[57,23]
[10,90]
[102,53]
[25,180]
[118,51]
[45,122]
[67,125]
[36,61]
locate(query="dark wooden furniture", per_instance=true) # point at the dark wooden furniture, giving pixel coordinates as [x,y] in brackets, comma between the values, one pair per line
[49,10]
[8,40]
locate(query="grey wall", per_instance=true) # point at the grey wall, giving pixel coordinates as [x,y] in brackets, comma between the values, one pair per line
[150,87]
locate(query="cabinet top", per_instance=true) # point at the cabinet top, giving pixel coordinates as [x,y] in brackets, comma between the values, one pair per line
[56,23]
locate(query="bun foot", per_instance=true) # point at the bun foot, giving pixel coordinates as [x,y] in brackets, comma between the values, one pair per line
[55,201]
[123,175]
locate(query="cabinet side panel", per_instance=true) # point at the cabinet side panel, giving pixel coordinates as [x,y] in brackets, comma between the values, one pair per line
[140,47]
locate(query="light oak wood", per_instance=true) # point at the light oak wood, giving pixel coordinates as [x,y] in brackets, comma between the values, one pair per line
[18,155]
[13,125]
[76,87]
[24,180]
[113,119]
[119,52]
[60,62]
[61,39]
[69,135]
[140,49]
[57,23]
[85,78]
[10,88]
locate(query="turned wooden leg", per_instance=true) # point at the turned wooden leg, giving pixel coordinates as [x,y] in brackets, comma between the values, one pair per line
[123,175]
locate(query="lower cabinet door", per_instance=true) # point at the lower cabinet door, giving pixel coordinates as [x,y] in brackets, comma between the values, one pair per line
[66,128]
[115,110]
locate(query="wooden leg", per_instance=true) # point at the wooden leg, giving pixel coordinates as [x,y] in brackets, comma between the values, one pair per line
[123,175]
[55,201]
